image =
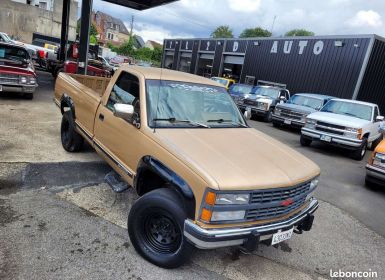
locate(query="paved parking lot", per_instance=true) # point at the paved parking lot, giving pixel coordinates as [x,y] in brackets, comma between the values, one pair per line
[58,220]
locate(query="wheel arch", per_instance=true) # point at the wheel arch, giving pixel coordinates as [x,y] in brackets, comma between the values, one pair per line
[153,174]
[66,102]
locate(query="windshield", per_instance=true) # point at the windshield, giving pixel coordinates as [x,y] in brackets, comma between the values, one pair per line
[181,104]
[6,37]
[265,91]
[306,101]
[241,89]
[357,110]
[14,54]
[219,80]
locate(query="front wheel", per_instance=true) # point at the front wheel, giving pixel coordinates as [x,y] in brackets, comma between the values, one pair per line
[155,227]
[305,142]
[269,116]
[360,153]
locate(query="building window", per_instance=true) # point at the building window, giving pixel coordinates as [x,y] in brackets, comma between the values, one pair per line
[43,5]
[110,36]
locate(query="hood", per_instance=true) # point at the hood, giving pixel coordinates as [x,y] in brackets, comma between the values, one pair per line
[338,119]
[17,70]
[296,108]
[237,158]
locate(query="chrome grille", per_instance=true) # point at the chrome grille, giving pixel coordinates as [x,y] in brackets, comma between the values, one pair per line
[9,79]
[268,202]
[330,128]
[331,125]
[291,114]
[250,102]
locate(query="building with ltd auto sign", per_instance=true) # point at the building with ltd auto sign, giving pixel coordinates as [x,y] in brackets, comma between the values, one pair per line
[350,67]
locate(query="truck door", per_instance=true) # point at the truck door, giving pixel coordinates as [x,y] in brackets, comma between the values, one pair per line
[115,138]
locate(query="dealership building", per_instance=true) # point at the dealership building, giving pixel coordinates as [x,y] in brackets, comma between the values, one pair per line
[350,67]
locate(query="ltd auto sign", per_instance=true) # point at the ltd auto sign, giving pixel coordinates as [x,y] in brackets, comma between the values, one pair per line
[288,47]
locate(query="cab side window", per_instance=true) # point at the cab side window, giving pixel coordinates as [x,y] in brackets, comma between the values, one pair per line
[125,91]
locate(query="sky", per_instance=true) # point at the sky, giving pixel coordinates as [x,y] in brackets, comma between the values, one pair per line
[198,18]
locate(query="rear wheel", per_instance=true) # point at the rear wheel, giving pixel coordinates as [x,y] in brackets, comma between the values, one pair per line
[360,153]
[306,142]
[155,227]
[70,139]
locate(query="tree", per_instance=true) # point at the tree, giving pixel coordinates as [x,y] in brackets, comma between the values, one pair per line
[222,31]
[255,32]
[299,32]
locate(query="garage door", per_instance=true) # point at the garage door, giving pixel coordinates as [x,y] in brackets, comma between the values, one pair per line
[232,59]
[187,55]
[206,56]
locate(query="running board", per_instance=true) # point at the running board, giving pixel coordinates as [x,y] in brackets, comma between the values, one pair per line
[116,183]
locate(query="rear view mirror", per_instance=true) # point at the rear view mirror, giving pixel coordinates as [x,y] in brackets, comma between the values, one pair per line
[124,111]
[380,118]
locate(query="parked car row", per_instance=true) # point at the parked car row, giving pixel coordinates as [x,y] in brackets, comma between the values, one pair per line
[349,124]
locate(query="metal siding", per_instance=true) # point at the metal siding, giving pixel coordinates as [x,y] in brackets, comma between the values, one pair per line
[373,85]
[218,58]
[175,64]
[241,46]
[194,56]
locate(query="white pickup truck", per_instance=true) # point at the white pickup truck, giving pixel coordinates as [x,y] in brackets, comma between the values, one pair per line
[349,124]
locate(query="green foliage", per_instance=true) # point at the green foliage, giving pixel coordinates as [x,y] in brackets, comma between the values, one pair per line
[93,40]
[93,30]
[255,32]
[299,32]
[222,31]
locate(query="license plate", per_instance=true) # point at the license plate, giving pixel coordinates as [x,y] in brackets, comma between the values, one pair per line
[287,121]
[1,88]
[282,236]
[326,138]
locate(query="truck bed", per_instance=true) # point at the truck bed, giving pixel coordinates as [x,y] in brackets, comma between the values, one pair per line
[85,92]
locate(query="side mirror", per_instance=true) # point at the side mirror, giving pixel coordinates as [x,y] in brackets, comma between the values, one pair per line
[380,118]
[247,114]
[124,111]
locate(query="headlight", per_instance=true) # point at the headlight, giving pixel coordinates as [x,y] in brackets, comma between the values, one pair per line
[277,111]
[353,132]
[310,123]
[23,80]
[226,199]
[379,160]
[32,80]
[262,105]
[313,186]
[228,216]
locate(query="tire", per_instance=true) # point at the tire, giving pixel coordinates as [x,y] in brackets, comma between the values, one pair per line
[376,142]
[276,124]
[159,212]
[71,140]
[305,142]
[269,116]
[28,95]
[360,153]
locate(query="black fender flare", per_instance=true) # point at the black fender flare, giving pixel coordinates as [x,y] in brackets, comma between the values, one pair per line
[66,101]
[173,180]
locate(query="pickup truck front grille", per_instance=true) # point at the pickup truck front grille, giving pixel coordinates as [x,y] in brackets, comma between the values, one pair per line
[250,102]
[269,202]
[329,130]
[9,79]
[331,125]
[291,114]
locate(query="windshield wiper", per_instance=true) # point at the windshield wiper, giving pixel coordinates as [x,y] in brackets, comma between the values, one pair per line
[228,121]
[174,120]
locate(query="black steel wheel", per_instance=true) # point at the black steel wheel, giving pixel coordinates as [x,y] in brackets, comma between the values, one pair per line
[155,226]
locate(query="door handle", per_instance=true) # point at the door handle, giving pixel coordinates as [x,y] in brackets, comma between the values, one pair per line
[101,117]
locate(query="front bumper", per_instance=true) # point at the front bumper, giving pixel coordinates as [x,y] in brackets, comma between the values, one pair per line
[224,237]
[284,121]
[375,175]
[19,88]
[336,140]
[254,110]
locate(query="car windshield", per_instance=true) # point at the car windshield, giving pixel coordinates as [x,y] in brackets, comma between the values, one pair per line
[6,37]
[219,80]
[14,54]
[357,110]
[241,89]
[182,104]
[265,91]
[306,101]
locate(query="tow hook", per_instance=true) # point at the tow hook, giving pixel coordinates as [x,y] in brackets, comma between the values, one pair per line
[306,224]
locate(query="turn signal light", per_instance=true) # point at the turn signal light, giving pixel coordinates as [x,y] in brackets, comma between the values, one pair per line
[359,131]
[210,198]
[206,215]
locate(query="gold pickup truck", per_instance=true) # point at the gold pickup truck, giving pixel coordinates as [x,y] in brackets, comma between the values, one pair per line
[204,177]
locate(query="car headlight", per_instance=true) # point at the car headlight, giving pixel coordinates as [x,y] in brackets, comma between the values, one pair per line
[32,80]
[277,111]
[353,132]
[228,215]
[262,105]
[313,186]
[23,80]
[379,160]
[226,199]
[310,123]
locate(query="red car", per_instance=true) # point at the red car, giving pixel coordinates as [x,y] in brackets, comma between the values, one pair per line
[17,73]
